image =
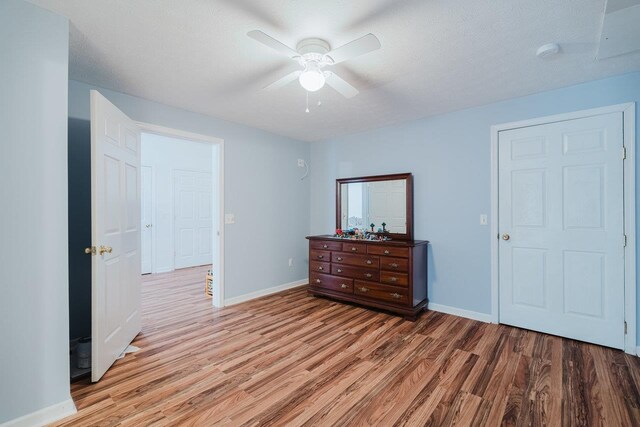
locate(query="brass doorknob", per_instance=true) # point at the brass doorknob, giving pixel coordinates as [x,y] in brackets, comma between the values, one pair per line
[105,249]
[505,236]
[90,250]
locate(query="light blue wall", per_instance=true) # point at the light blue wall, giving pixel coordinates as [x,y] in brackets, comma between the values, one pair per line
[34,310]
[449,156]
[262,188]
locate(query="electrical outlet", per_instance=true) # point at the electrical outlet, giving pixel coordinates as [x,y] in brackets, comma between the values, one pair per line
[229,219]
[300,163]
[483,219]
[290,262]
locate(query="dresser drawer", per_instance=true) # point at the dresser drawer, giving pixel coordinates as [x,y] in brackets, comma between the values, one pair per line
[381,292]
[369,261]
[355,272]
[394,264]
[325,281]
[320,267]
[389,251]
[323,256]
[393,278]
[354,248]
[327,246]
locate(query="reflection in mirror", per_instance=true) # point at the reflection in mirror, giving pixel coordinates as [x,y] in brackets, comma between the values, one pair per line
[375,202]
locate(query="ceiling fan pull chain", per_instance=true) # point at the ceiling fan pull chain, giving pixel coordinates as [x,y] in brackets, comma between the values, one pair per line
[307,110]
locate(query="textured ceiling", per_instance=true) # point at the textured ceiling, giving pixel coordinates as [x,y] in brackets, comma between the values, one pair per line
[436,56]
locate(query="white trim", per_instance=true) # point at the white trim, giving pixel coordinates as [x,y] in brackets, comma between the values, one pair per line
[474,315]
[163,270]
[629,131]
[218,293]
[264,292]
[628,111]
[44,416]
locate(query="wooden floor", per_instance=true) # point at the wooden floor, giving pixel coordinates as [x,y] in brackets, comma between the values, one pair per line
[291,359]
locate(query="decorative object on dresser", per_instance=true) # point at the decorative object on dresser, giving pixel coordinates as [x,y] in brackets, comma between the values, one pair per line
[356,265]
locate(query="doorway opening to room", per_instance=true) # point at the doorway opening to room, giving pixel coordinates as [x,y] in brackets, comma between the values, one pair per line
[180,203]
[142,199]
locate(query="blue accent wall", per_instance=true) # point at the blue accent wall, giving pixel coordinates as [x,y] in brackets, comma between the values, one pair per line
[34,307]
[450,157]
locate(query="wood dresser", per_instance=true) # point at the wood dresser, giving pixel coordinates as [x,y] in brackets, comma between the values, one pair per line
[390,275]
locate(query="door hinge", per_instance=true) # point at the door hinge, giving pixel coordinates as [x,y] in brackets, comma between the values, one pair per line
[625,241]
[624,152]
[625,327]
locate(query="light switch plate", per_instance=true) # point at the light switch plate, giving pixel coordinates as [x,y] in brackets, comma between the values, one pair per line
[484,219]
[229,219]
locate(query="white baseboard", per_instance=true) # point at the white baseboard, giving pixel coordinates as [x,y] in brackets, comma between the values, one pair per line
[44,416]
[163,270]
[482,317]
[264,292]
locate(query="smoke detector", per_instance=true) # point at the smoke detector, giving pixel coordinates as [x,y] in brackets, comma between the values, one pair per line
[547,50]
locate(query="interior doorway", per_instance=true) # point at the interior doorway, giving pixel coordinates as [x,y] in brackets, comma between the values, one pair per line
[181,203]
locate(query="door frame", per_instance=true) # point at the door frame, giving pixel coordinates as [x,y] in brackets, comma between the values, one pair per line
[628,111]
[218,292]
[153,216]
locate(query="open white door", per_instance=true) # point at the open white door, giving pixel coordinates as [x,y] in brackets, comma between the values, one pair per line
[115,233]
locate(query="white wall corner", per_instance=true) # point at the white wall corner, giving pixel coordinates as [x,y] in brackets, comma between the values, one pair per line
[44,416]
[264,292]
[474,315]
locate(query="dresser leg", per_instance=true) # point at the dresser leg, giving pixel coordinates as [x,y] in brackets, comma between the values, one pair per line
[410,317]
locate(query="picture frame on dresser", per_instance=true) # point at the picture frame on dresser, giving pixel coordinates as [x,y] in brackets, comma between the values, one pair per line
[386,271]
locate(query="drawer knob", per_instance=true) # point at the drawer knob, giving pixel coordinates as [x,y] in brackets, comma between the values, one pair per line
[339,258]
[343,286]
[318,281]
[368,275]
[369,262]
[354,249]
[394,279]
[394,265]
[320,256]
[320,268]
[363,289]
[386,252]
[324,246]
[396,295]
[339,270]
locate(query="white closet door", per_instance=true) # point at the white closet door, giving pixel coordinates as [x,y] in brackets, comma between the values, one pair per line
[115,224]
[561,208]
[192,218]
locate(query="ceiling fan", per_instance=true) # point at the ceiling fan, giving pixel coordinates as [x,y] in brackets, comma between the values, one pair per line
[313,55]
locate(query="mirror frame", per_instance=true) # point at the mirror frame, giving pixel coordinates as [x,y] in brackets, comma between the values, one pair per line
[392,177]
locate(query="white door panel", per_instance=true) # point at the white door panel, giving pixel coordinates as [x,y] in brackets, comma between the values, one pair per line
[193,221]
[561,203]
[115,222]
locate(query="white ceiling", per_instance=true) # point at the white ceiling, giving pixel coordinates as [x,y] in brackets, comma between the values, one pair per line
[436,56]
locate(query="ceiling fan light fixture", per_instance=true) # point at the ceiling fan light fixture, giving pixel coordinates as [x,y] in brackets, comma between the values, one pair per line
[312,78]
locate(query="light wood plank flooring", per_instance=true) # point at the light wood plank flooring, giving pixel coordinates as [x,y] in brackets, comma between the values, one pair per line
[291,359]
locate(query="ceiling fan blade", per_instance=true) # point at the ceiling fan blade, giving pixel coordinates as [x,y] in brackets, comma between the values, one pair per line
[364,44]
[272,43]
[284,80]
[341,86]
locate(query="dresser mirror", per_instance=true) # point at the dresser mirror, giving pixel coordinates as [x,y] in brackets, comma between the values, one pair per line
[386,201]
